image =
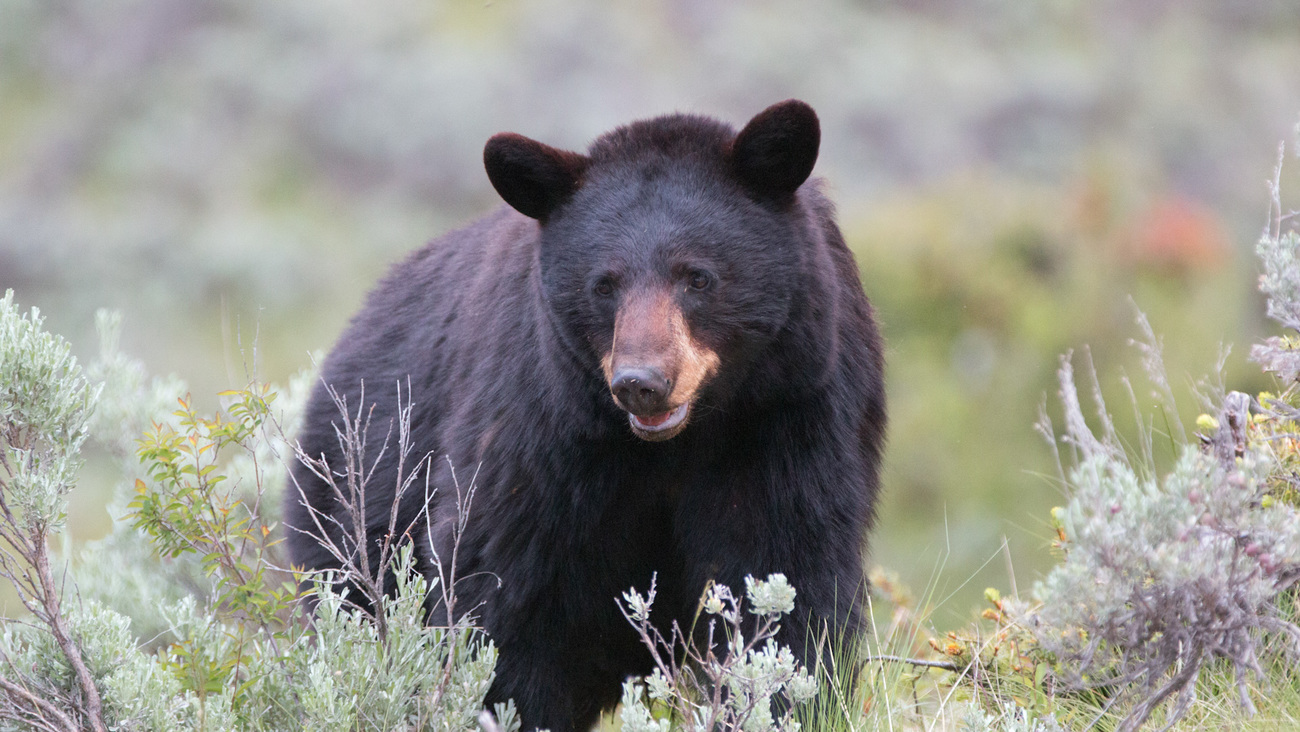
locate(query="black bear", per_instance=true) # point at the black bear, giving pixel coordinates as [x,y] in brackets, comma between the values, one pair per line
[657,359]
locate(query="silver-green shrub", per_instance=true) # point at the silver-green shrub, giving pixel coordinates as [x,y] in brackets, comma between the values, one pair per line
[1280,255]
[1009,718]
[1163,575]
[45,403]
[1279,252]
[726,682]
[356,680]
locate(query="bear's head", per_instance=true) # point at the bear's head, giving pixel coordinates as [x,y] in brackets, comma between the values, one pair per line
[670,253]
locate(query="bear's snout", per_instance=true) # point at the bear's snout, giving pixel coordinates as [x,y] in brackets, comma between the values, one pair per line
[642,391]
[655,368]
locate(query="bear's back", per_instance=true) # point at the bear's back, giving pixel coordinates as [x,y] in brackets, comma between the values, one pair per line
[435,333]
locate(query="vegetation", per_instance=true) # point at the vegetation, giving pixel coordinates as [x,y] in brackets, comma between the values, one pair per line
[185,617]
[725,680]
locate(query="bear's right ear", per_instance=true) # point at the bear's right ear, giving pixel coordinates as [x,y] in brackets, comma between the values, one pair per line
[533,178]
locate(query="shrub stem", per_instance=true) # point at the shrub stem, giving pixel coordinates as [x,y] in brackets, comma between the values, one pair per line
[58,627]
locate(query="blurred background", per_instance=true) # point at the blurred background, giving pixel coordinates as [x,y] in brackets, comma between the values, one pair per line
[234,175]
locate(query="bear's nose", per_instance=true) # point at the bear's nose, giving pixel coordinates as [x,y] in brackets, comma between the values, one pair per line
[641,391]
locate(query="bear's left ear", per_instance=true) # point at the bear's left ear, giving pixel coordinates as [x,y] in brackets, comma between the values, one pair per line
[533,178]
[776,151]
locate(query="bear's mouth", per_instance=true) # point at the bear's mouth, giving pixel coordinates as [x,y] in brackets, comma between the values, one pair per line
[658,427]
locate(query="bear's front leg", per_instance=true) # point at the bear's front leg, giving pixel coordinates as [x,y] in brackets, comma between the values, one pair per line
[806,521]
[553,688]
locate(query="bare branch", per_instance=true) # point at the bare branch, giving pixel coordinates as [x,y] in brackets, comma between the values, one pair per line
[942,665]
[38,712]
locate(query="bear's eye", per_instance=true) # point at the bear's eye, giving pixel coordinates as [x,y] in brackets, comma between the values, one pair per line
[700,280]
[604,287]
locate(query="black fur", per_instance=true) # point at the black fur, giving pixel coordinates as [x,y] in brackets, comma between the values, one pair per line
[499,332]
